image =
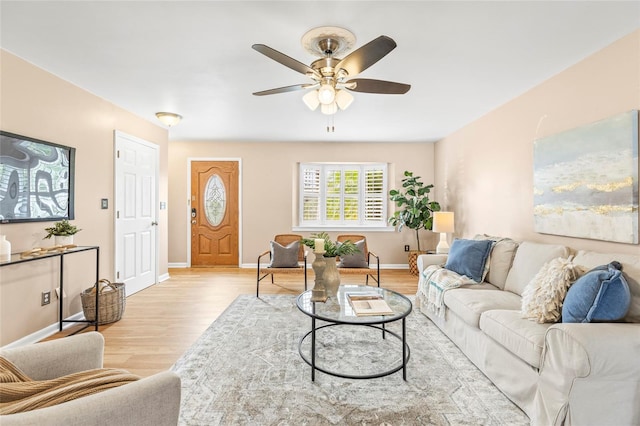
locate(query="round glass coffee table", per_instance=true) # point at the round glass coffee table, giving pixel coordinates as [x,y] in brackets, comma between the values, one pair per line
[338,311]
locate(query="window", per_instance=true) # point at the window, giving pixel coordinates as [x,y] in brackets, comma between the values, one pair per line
[343,195]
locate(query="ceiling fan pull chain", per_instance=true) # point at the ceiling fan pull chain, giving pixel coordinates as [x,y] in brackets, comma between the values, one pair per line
[330,126]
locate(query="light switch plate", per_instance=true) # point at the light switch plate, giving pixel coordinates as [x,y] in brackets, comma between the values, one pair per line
[104,203]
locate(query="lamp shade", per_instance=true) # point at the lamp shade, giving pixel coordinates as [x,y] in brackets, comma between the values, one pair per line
[311,100]
[330,109]
[343,99]
[443,222]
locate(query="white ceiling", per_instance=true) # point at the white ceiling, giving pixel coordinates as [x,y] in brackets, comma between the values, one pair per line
[462,59]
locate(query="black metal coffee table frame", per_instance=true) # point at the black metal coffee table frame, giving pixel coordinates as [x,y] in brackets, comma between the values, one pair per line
[401,311]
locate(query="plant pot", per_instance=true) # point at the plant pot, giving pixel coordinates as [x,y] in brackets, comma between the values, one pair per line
[63,240]
[413,261]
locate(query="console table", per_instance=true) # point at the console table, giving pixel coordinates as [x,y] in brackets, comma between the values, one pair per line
[17,258]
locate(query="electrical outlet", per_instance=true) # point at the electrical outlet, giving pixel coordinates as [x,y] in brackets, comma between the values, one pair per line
[46,298]
[406,247]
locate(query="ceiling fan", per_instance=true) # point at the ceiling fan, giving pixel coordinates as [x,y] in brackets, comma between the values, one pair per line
[333,77]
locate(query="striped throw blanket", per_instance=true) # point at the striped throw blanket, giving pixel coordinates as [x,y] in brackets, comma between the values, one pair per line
[434,282]
[19,393]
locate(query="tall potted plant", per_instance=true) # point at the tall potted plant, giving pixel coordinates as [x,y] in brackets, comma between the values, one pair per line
[415,210]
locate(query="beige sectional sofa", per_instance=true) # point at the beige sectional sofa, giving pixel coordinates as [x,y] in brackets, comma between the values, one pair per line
[152,401]
[557,373]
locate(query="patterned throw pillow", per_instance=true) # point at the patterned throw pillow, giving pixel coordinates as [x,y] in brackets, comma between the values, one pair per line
[284,257]
[543,297]
[355,260]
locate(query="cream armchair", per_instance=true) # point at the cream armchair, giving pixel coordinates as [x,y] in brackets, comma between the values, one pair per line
[153,401]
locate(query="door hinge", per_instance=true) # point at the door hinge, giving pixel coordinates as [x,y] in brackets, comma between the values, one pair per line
[118,154]
[118,214]
[118,275]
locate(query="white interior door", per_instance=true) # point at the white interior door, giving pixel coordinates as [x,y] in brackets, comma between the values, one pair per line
[136,223]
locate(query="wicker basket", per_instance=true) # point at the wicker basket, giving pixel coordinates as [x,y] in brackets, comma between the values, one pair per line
[413,261]
[112,302]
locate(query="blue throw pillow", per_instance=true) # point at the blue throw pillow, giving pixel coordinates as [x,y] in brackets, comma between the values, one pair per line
[602,294]
[469,257]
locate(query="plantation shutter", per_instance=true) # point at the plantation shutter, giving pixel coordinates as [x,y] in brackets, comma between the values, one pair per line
[375,190]
[351,196]
[310,182]
[333,195]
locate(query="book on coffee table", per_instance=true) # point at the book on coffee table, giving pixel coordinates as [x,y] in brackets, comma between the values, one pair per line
[364,304]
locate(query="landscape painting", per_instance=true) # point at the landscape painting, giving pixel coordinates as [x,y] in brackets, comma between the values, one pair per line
[586,181]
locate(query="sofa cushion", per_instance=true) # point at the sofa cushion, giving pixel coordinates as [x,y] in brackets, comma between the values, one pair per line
[470,301]
[630,269]
[543,297]
[521,337]
[500,259]
[602,294]
[469,258]
[529,258]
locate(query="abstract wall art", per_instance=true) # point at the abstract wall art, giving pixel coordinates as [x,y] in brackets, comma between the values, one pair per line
[36,179]
[586,181]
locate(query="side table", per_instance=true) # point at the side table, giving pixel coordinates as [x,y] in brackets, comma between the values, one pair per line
[16,258]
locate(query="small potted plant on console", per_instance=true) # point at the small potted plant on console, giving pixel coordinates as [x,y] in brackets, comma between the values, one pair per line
[63,232]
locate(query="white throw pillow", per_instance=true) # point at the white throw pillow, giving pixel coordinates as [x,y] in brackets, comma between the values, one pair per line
[542,298]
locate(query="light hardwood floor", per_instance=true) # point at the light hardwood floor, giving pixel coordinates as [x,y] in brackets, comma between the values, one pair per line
[163,321]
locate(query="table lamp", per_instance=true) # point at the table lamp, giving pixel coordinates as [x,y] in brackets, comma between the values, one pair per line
[443,223]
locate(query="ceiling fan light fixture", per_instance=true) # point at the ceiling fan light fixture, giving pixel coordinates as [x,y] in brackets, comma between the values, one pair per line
[343,99]
[169,118]
[326,94]
[311,100]
[329,109]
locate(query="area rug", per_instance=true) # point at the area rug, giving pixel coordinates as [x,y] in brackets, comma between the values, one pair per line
[246,370]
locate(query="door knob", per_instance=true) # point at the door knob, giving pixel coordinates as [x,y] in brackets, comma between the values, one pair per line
[154,223]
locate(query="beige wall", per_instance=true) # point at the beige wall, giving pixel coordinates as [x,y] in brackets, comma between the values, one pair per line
[38,104]
[486,168]
[268,188]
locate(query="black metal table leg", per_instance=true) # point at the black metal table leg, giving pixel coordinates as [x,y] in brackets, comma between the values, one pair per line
[313,349]
[97,285]
[60,298]
[404,350]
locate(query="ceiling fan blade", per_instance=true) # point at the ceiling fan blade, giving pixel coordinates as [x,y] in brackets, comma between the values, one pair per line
[285,89]
[285,60]
[365,85]
[367,55]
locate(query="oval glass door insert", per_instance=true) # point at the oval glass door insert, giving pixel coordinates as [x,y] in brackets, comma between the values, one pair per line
[215,200]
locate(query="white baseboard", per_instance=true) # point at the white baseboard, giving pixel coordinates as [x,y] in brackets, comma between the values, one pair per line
[163,277]
[178,265]
[44,333]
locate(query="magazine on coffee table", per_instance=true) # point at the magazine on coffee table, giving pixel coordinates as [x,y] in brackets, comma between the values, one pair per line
[368,303]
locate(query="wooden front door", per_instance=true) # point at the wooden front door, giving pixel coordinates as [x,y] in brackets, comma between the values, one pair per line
[214,213]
